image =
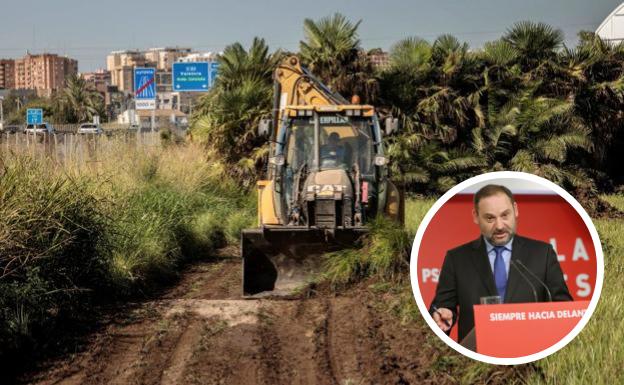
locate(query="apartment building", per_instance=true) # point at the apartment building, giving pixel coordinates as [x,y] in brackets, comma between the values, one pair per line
[7,73]
[43,73]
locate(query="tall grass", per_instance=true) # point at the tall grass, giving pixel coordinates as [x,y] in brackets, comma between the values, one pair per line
[51,243]
[77,233]
[385,253]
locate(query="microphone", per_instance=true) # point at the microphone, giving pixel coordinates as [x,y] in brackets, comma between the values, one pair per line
[513,263]
[537,278]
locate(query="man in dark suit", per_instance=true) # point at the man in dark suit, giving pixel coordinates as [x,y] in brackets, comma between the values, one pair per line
[493,265]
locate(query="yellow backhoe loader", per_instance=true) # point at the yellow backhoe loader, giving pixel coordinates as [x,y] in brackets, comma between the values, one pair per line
[327,177]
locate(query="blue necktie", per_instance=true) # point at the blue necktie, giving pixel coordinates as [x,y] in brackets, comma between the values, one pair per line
[500,273]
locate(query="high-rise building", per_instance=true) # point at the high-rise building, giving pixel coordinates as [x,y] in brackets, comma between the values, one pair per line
[7,73]
[44,73]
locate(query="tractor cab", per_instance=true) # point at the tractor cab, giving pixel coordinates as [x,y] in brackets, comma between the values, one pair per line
[328,152]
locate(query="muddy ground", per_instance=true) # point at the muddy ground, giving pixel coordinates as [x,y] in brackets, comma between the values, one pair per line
[203,332]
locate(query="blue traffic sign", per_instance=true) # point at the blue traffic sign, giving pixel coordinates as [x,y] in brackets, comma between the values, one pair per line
[144,83]
[191,76]
[34,116]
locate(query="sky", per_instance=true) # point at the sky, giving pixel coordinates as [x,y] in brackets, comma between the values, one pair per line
[87,30]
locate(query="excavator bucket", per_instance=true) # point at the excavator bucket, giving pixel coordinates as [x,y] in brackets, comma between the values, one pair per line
[278,261]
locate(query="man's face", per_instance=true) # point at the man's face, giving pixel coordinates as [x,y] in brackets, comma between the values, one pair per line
[496,216]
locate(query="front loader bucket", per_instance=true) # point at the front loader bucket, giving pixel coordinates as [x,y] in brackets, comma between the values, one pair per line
[279,260]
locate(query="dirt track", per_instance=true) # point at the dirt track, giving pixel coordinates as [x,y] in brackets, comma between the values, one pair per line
[201,332]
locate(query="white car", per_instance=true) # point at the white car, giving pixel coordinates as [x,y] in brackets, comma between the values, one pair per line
[90,128]
[43,128]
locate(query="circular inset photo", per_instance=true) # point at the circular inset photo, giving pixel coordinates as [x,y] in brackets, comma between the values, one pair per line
[506,268]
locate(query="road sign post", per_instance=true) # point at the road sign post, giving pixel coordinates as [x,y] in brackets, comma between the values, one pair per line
[34,116]
[145,91]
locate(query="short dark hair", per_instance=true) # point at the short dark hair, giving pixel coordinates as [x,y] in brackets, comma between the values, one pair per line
[489,190]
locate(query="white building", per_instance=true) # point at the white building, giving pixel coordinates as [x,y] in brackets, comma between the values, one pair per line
[612,28]
[199,57]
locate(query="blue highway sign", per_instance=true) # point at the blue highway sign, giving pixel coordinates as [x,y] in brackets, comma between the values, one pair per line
[191,76]
[144,83]
[34,116]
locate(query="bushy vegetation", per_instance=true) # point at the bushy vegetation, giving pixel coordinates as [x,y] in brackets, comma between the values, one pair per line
[227,117]
[50,249]
[385,254]
[523,102]
[76,235]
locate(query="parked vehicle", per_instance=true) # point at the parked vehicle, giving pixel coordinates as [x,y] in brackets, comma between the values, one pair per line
[11,129]
[43,128]
[90,128]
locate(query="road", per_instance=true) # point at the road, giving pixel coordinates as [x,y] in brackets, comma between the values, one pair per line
[202,332]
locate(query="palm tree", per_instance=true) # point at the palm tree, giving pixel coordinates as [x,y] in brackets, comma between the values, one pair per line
[332,52]
[596,83]
[227,117]
[435,90]
[78,102]
[534,134]
[536,43]
[237,64]
[428,165]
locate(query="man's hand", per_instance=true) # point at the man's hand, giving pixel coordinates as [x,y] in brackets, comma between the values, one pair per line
[444,318]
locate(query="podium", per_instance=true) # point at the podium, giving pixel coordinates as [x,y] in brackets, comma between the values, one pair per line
[520,329]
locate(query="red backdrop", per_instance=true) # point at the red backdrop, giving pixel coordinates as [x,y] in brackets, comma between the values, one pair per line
[548,218]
